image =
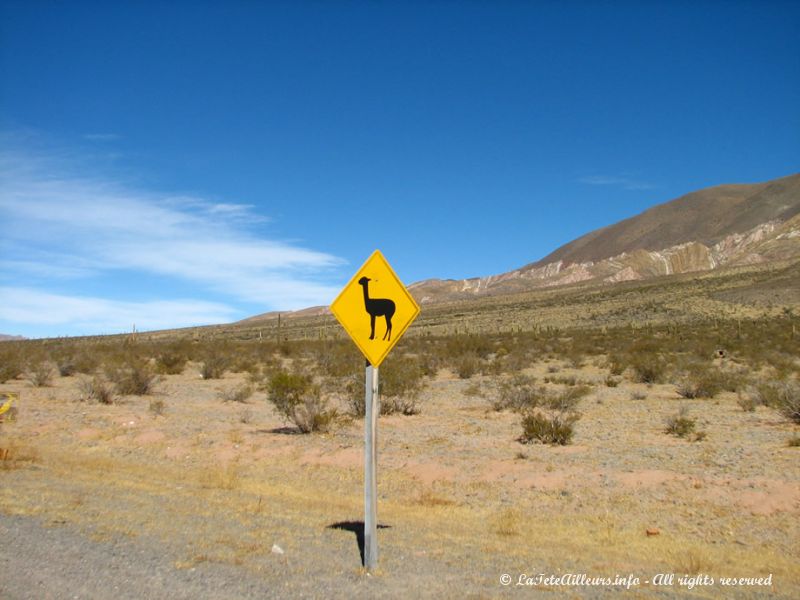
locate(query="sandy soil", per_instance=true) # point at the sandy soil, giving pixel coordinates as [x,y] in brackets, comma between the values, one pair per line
[214,488]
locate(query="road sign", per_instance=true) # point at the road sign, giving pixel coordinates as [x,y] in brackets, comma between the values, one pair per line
[375,308]
[7,400]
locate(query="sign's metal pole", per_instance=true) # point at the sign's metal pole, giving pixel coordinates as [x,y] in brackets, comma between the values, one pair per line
[370,470]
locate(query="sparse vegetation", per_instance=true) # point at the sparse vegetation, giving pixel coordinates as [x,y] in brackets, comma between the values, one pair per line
[400,383]
[40,374]
[518,393]
[681,424]
[135,377]
[96,389]
[214,364]
[700,381]
[240,393]
[171,361]
[555,429]
[157,406]
[300,401]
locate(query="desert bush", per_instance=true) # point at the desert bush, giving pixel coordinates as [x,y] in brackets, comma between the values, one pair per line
[300,401]
[616,364]
[638,395]
[783,396]
[66,366]
[157,406]
[747,401]
[518,393]
[567,400]
[788,400]
[647,368]
[356,395]
[400,383]
[40,374]
[794,442]
[171,362]
[96,389]
[467,365]
[508,522]
[680,424]
[240,393]
[556,429]
[611,382]
[456,346]
[135,377]
[214,365]
[9,368]
[85,362]
[338,359]
[562,380]
[700,382]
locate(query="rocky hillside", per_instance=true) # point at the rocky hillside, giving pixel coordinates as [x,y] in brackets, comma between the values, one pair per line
[726,225]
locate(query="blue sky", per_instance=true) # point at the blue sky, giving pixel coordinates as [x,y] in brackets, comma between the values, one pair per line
[180,163]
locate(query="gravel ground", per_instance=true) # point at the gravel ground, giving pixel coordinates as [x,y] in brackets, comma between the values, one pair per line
[56,562]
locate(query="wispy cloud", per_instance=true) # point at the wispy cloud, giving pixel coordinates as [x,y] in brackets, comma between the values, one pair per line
[625,183]
[91,315]
[62,222]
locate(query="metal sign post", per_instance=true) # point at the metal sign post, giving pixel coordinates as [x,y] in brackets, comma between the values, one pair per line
[370,469]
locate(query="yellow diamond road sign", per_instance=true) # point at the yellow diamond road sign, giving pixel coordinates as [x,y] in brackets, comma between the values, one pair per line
[375,308]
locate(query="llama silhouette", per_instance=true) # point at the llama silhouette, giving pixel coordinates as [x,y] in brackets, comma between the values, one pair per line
[377,307]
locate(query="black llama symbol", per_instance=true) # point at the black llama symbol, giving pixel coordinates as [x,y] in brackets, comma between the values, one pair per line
[377,307]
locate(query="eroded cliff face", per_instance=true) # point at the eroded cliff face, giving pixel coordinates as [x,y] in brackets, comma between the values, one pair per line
[773,240]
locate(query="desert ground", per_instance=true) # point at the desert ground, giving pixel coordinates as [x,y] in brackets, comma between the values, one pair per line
[209,484]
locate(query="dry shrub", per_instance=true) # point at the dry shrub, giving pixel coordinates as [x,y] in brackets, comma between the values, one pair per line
[66,367]
[96,389]
[681,424]
[648,368]
[518,393]
[747,401]
[223,477]
[789,401]
[400,383]
[14,455]
[508,522]
[214,365]
[693,562]
[568,399]
[171,362]
[783,396]
[240,393]
[430,499]
[338,359]
[40,374]
[700,381]
[134,378]
[467,366]
[300,401]
[521,394]
[157,406]
[10,367]
[555,429]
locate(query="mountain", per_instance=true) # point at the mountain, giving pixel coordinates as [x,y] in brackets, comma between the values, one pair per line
[8,338]
[706,216]
[726,225]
